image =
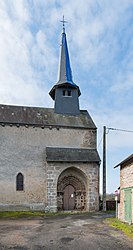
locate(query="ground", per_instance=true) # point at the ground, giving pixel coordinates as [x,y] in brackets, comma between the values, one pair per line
[76,231]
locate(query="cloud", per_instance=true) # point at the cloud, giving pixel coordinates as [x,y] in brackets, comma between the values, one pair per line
[25,58]
[100,42]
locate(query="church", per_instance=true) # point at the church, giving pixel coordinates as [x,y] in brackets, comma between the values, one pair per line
[48,156]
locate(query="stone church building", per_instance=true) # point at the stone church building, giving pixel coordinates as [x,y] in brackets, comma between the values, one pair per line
[48,156]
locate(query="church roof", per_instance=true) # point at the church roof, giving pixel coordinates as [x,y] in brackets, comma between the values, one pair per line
[65,72]
[54,154]
[39,116]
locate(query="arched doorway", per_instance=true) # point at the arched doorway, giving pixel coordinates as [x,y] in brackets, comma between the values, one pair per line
[71,190]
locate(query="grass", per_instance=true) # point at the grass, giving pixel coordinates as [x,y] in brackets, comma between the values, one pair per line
[7,214]
[126,228]
[20,214]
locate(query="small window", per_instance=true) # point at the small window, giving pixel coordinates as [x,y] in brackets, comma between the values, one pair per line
[64,92]
[19,182]
[67,93]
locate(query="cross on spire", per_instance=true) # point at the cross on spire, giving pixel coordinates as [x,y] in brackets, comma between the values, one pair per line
[63,22]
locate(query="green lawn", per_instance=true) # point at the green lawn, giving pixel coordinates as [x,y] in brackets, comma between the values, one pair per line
[20,214]
[17,214]
[126,228]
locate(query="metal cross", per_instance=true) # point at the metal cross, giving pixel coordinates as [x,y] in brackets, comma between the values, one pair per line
[63,21]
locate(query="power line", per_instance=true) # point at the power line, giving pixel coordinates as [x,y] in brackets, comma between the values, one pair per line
[100,142]
[116,129]
[121,130]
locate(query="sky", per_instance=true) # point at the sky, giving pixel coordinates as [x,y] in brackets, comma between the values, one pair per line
[100,43]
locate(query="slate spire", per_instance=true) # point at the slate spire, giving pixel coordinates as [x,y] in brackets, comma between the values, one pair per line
[65,73]
[65,92]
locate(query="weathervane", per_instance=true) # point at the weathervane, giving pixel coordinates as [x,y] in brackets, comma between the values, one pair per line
[63,21]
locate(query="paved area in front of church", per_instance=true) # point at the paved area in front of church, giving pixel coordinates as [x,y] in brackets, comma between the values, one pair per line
[77,232]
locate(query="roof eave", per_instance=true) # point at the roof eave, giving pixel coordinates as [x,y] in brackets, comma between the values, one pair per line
[52,91]
[124,161]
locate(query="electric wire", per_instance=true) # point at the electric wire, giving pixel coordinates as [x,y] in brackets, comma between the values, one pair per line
[121,130]
[100,142]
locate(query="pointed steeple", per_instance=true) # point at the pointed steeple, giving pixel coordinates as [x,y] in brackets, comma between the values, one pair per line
[65,87]
[65,73]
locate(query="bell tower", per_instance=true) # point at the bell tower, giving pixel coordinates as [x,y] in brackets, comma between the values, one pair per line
[65,92]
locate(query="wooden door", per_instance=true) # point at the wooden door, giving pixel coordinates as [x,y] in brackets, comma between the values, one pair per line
[69,198]
[128,205]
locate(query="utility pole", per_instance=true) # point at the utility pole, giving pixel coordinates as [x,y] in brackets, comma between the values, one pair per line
[104,168]
[104,159]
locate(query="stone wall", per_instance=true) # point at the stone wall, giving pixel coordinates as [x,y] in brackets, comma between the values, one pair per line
[126,176]
[91,172]
[23,149]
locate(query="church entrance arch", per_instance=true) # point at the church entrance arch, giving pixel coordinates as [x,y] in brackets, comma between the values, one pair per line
[71,190]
